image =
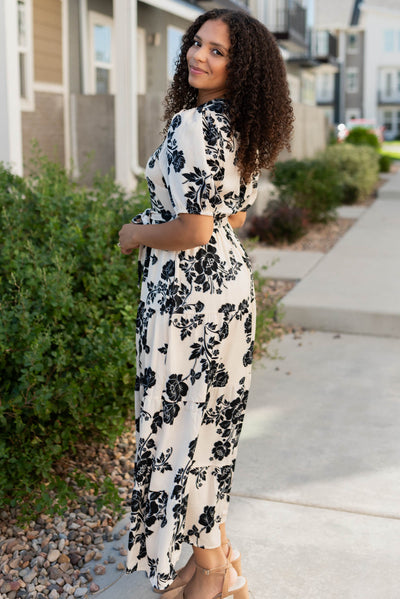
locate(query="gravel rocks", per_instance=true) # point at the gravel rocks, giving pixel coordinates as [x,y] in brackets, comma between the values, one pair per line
[54,557]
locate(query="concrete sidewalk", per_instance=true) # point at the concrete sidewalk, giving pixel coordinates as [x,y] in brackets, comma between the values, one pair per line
[355,288]
[315,506]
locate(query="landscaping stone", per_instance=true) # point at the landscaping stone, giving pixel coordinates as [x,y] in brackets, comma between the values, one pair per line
[48,558]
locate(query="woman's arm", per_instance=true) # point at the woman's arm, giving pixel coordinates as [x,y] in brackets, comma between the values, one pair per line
[237,220]
[185,232]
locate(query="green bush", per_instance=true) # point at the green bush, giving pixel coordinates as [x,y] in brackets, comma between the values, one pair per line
[280,222]
[360,136]
[312,185]
[67,310]
[357,169]
[385,162]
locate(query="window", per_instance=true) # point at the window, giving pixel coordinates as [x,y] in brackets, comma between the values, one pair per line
[352,43]
[307,89]
[174,38]
[25,54]
[352,80]
[389,40]
[141,66]
[388,84]
[321,43]
[387,120]
[294,87]
[325,87]
[101,53]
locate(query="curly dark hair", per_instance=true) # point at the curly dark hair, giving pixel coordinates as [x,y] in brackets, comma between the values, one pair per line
[259,105]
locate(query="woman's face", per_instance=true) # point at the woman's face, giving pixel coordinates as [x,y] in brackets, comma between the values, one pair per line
[208,59]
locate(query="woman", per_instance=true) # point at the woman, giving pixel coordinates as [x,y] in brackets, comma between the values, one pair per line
[228,115]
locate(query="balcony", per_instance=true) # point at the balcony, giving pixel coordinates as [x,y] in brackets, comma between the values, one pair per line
[321,51]
[325,101]
[324,47]
[392,98]
[210,4]
[288,24]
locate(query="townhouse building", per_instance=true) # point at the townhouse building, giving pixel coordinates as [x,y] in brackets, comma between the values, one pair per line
[381,85]
[368,81]
[86,78]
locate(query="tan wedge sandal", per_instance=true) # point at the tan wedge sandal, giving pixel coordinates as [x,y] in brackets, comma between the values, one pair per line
[237,591]
[233,557]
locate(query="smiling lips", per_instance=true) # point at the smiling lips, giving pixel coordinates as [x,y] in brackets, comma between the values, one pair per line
[196,70]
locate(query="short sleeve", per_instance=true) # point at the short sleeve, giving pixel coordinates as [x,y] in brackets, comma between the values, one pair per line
[194,148]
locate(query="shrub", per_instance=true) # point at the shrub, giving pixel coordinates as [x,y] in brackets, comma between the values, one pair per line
[360,136]
[312,185]
[357,168]
[349,193]
[385,162]
[68,300]
[280,222]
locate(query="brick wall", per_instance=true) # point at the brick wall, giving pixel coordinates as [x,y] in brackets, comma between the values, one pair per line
[46,125]
[93,144]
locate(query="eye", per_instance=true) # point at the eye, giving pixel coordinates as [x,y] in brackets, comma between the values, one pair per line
[196,43]
[217,52]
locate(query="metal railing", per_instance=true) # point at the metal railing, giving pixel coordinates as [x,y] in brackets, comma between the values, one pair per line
[323,45]
[290,21]
[385,99]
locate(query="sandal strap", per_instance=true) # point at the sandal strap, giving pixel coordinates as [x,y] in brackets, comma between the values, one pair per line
[219,570]
[230,554]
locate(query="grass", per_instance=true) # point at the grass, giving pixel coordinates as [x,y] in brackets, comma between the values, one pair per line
[390,148]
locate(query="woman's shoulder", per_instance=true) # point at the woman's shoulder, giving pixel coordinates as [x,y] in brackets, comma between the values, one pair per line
[211,113]
[216,111]
[217,106]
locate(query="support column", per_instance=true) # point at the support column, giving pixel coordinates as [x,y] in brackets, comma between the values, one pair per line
[65,76]
[126,109]
[10,111]
[83,40]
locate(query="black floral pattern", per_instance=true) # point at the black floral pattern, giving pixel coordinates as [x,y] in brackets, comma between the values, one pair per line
[195,333]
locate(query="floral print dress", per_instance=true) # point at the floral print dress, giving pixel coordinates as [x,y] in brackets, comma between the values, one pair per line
[195,335]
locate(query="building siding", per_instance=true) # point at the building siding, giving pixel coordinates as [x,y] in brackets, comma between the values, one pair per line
[47,41]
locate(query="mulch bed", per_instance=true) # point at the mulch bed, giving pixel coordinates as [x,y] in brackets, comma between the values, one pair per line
[321,237]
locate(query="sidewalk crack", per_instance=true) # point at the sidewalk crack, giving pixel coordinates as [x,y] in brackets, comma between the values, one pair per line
[318,506]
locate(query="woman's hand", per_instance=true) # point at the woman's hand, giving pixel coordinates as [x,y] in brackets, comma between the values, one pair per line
[127,239]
